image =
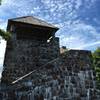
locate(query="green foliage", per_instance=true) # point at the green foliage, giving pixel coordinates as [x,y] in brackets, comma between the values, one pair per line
[96,60]
[0,2]
[97,52]
[5,35]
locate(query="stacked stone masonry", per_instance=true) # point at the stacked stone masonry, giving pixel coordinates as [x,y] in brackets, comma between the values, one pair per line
[26,55]
[69,77]
[66,76]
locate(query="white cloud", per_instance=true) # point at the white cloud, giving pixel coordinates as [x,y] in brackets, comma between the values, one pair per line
[2,50]
[78,43]
[72,42]
[78,35]
[3,24]
[58,10]
[61,12]
[90,44]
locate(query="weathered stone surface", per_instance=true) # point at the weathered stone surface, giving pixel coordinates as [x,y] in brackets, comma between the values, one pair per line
[25,57]
[55,82]
[66,76]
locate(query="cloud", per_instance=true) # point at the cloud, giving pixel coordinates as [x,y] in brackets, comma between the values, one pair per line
[90,44]
[2,50]
[64,13]
[3,24]
[72,42]
[1,68]
[55,11]
[78,35]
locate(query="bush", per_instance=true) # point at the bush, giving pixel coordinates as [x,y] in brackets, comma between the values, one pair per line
[96,60]
[5,35]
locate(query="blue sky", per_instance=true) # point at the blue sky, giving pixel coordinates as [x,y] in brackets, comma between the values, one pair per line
[78,20]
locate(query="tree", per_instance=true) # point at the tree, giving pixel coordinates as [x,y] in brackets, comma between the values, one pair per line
[5,35]
[96,60]
[0,2]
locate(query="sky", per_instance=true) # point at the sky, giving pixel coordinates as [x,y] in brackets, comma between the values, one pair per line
[78,20]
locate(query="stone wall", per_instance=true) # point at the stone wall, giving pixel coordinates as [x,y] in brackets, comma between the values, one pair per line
[23,56]
[68,77]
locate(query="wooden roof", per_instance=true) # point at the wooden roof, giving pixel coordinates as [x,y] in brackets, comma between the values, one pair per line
[33,21]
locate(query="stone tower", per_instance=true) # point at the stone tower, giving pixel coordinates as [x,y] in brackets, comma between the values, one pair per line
[34,47]
[31,41]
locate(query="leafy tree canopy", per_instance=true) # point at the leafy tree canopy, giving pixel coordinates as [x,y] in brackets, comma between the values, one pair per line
[0,2]
[97,52]
[96,59]
[5,35]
